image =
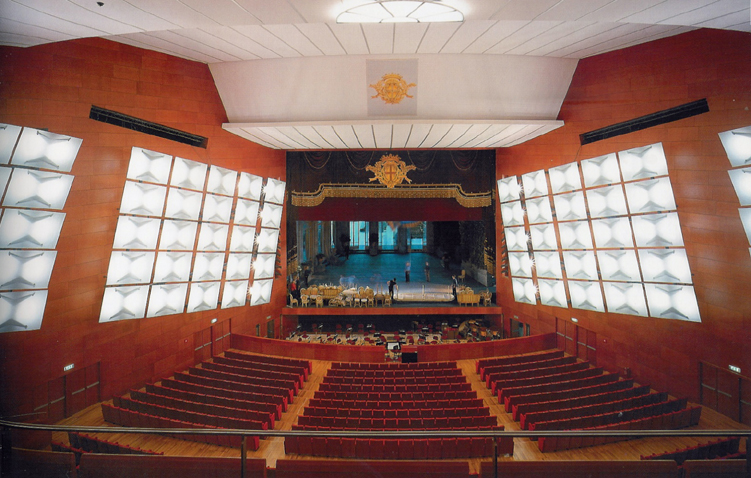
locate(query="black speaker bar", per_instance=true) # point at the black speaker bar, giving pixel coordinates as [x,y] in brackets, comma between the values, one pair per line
[147,127]
[643,122]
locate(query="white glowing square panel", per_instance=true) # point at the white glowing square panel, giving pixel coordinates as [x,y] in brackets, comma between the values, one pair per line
[737,144]
[271,216]
[535,184]
[525,290]
[267,240]
[625,298]
[221,181]
[37,189]
[565,178]
[208,266]
[650,196]
[512,214]
[238,266]
[274,191]
[183,204]
[127,267]
[586,295]
[149,166]
[188,174]
[235,294]
[242,239]
[548,264]
[746,220]
[580,265]
[4,178]
[250,186]
[263,266]
[643,162]
[516,238]
[538,210]
[612,232]
[143,199]
[509,189]
[575,235]
[216,208]
[665,265]
[45,150]
[22,311]
[741,179]
[167,299]
[8,136]
[669,301]
[552,292]
[212,237]
[520,264]
[657,230]
[27,269]
[124,303]
[601,170]
[178,235]
[570,206]
[246,212]
[203,296]
[543,237]
[30,229]
[260,292]
[134,232]
[619,265]
[606,202]
[173,266]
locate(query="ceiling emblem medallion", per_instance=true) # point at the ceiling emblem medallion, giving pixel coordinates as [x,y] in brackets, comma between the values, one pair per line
[392,88]
[390,170]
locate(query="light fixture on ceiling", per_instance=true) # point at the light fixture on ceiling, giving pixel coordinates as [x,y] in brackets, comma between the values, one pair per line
[400,11]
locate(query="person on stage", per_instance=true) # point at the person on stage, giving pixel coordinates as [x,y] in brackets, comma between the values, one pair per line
[392,283]
[454,284]
[427,271]
[407,268]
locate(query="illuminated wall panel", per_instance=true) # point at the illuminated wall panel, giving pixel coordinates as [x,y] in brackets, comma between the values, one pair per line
[548,264]
[612,232]
[538,210]
[570,206]
[123,303]
[575,235]
[565,178]
[552,292]
[586,295]
[509,189]
[26,269]
[238,266]
[23,310]
[657,230]
[606,202]
[235,294]
[516,238]
[250,186]
[32,229]
[601,171]
[520,264]
[148,166]
[167,299]
[580,265]
[143,199]
[267,240]
[737,144]
[8,137]
[260,292]
[672,302]
[203,296]
[137,233]
[643,162]
[524,290]
[625,298]
[619,265]
[512,214]
[42,149]
[543,237]
[274,191]
[535,184]
[188,174]
[29,188]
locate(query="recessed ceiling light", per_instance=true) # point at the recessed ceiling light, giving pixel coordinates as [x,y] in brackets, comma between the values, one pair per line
[401,11]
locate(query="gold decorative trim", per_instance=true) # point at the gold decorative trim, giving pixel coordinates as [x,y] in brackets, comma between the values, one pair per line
[392,88]
[375,191]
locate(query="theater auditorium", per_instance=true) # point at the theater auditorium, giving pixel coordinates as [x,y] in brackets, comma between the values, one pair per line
[380,238]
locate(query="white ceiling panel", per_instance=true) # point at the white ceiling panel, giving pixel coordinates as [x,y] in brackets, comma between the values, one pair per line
[48,21]
[83,16]
[258,136]
[131,14]
[456,132]
[294,134]
[471,136]
[573,10]
[587,34]
[437,133]
[218,42]
[466,35]
[276,11]
[417,135]
[715,10]
[222,12]
[379,37]
[347,134]
[364,133]
[183,39]
[407,38]
[292,36]
[641,35]
[500,133]
[729,20]
[437,36]
[556,33]
[321,36]
[328,133]
[400,133]
[526,10]
[267,40]
[312,134]
[528,32]
[662,11]
[382,134]
[275,135]
[617,11]
[351,37]
[494,35]
[147,40]
[175,12]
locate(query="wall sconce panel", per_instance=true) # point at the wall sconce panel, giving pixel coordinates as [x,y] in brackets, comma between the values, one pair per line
[619,265]
[643,162]
[267,240]
[167,299]
[263,266]
[134,232]
[538,210]
[208,266]
[657,230]
[22,311]
[37,189]
[128,267]
[8,136]
[149,166]
[235,294]
[512,214]
[271,216]
[650,196]
[203,296]
[222,181]
[178,235]
[516,238]
[543,237]
[601,170]
[42,149]
[30,229]
[575,235]
[606,202]
[668,301]
[586,295]
[520,264]
[580,265]
[238,266]
[509,189]
[188,174]
[624,298]
[552,292]
[242,239]
[274,191]
[548,264]
[250,186]
[183,204]
[570,207]
[246,212]
[123,303]
[665,265]
[213,237]
[28,269]
[612,232]
[525,291]
[746,220]
[172,267]
[142,199]
[216,208]
[565,178]
[737,144]
[260,292]
[535,184]
[741,179]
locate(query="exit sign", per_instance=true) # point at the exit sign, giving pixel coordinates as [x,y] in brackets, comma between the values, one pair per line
[735,369]
[68,367]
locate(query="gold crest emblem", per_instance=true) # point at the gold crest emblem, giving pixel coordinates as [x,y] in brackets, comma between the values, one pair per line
[392,88]
[390,170]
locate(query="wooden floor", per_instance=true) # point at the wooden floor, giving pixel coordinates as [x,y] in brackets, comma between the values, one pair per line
[524,449]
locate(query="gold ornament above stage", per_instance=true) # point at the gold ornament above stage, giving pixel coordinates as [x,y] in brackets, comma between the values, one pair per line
[390,170]
[392,88]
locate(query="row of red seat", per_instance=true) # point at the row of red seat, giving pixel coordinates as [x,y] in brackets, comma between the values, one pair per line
[186,381]
[497,387]
[259,384]
[392,365]
[91,444]
[613,384]
[579,469]
[205,408]
[252,369]
[129,466]
[273,379]
[242,355]
[396,406]
[517,359]
[357,381]
[510,394]
[669,421]
[269,367]
[401,413]
[131,418]
[397,449]
[501,378]
[550,362]
[396,396]
[398,374]
[193,396]
[428,387]
[705,451]
[594,409]
[431,423]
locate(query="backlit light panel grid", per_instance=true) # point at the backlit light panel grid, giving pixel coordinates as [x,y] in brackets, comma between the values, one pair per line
[737,144]
[34,187]
[619,237]
[186,232]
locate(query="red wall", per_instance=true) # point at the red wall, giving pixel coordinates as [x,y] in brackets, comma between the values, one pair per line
[626,84]
[53,86]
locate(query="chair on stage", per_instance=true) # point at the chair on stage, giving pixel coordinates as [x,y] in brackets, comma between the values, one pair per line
[304,300]
[292,301]
[462,276]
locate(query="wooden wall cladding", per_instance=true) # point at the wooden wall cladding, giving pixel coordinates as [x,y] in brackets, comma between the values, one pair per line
[53,87]
[626,84]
